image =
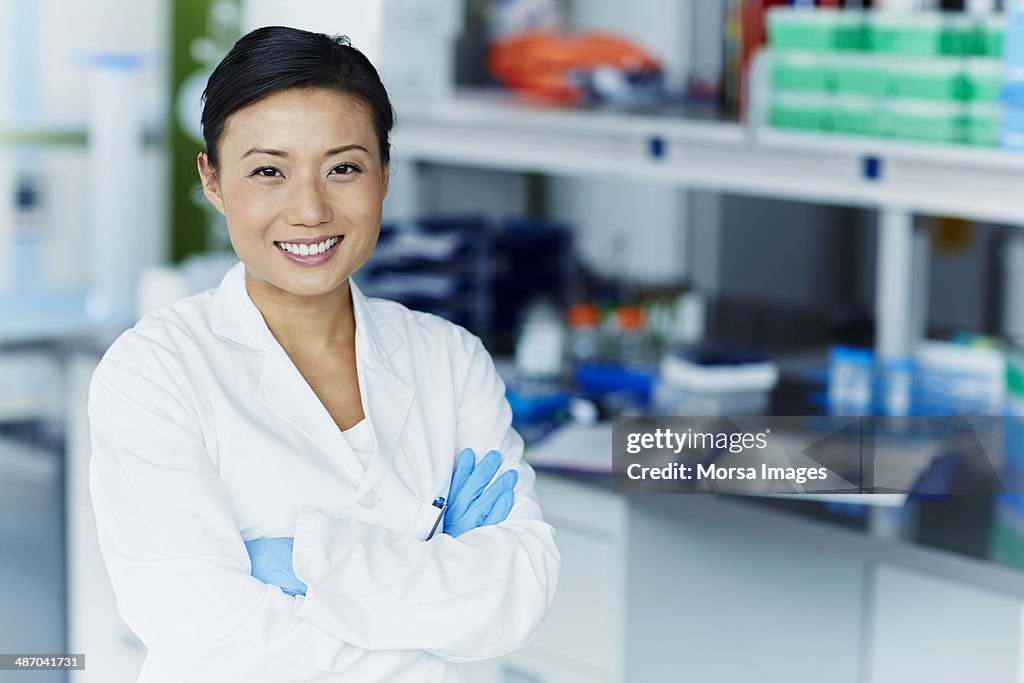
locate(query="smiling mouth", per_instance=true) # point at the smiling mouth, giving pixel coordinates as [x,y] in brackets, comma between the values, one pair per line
[310,249]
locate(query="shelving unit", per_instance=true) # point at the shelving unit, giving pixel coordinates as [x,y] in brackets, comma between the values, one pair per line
[898,179]
[488,131]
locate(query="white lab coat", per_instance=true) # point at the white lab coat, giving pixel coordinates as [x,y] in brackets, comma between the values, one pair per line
[205,435]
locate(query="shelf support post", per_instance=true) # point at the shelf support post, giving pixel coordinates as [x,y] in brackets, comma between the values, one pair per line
[894,283]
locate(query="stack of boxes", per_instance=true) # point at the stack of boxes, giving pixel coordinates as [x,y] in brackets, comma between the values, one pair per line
[918,76]
[1013,121]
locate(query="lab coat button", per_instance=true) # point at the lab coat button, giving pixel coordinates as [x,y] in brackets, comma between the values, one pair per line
[369,500]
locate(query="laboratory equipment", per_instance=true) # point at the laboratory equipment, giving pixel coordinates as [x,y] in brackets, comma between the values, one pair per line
[411,42]
[898,382]
[941,378]
[541,345]
[1013,95]
[530,259]
[537,408]
[632,343]
[511,17]
[436,264]
[927,76]
[956,379]
[850,377]
[584,332]
[813,29]
[586,67]
[696,381]
[617,389]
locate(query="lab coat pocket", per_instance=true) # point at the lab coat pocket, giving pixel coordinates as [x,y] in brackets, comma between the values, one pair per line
[389,503]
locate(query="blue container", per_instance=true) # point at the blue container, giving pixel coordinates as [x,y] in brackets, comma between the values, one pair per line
[1013,126]
[850,380]
[1013,88]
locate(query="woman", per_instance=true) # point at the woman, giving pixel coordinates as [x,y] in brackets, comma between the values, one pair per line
[267,455]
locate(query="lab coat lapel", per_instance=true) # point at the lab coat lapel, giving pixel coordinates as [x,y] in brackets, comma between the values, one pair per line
[282,389]
[287,395]
[387,398]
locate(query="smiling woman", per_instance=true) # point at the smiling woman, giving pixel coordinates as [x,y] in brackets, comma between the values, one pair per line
[271,459]
[284,179]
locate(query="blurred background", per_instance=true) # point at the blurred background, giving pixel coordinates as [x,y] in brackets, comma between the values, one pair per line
[662,207]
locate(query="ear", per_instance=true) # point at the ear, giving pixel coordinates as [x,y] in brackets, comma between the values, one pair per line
[208,178]
[387,177]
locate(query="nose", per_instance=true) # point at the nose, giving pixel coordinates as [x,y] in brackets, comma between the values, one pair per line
[309,205]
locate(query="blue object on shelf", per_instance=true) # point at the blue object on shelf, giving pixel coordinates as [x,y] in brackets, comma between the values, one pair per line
[847,509]
[602,379]
[1013,81]
[1013,124]
[871,167]
[531,407]
[713,355]
[851,375]
[656,145]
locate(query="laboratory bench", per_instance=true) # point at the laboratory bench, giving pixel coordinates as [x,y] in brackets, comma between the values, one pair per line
[705,587]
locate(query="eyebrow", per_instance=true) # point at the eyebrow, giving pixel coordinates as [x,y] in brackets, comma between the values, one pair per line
[279,153]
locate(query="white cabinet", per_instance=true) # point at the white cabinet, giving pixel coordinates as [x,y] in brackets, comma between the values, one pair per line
[929,629]
[646,595]
[697,588]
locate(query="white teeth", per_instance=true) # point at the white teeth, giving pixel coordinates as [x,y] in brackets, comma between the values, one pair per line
[308,249]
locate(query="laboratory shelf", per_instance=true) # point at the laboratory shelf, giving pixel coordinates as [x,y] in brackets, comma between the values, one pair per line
[43,136]
[49,136]
[923,178]
[898,179]
[493,131]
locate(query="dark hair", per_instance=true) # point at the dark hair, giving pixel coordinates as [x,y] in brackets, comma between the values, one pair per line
[275,58]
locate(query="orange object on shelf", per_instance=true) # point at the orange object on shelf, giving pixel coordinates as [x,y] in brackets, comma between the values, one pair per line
[544,64]
[584,315]
[631,318]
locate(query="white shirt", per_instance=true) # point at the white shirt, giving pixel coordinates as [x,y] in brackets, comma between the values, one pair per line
[360,439]
[205,435]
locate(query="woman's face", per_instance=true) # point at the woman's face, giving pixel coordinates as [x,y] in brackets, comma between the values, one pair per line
[300,171]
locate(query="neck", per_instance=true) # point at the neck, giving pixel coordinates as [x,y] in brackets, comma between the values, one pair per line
[306,324]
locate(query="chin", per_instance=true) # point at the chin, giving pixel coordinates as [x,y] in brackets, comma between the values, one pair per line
[312,284]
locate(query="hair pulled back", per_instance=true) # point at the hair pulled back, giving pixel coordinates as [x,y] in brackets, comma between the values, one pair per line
[275,58]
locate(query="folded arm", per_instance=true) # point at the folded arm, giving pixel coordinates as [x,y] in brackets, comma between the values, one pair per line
[479,595]
[176,560]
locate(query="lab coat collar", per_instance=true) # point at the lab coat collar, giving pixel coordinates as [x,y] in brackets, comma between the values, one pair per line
[387,398]
[236,317]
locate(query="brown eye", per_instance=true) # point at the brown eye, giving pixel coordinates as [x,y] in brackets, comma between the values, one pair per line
[260,172]
[347,169]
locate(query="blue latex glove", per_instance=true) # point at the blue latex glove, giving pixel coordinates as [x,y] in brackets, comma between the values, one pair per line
[272,563]
[469,504]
